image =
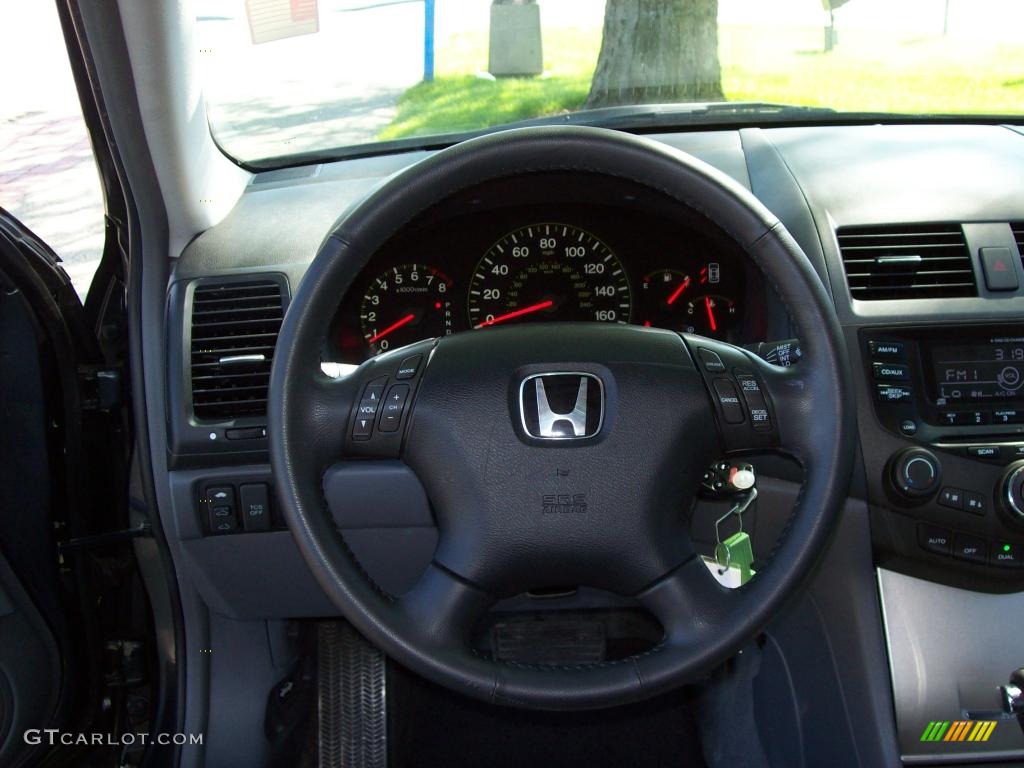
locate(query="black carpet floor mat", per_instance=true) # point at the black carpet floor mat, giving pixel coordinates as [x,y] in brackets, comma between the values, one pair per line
[430,726]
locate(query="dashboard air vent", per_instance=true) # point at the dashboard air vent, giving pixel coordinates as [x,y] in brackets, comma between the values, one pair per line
[234,328]
[908,261]
[1018,235]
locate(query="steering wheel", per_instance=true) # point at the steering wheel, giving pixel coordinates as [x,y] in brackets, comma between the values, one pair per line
[637,416]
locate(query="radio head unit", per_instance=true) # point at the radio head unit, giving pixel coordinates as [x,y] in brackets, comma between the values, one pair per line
[980,371]
[941,384]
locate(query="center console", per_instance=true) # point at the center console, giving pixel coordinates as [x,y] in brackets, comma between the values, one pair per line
[952,402]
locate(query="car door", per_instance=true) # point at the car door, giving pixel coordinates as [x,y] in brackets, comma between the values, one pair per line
[58,448]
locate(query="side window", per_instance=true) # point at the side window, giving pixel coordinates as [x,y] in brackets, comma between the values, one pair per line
[48,176]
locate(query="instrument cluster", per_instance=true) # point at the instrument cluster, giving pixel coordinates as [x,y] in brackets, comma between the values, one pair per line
[591,263]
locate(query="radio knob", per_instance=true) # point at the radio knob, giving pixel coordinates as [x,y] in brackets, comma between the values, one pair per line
[916,472]
[1012,489]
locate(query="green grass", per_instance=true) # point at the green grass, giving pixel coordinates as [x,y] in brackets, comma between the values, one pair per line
[865,73]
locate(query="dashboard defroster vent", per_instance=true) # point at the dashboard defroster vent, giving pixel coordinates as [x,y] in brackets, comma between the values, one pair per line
[907,261]
[234,329]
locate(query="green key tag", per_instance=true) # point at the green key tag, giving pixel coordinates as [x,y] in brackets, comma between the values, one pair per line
[737,552]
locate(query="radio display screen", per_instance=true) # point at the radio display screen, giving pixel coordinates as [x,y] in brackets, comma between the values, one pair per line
[983,371]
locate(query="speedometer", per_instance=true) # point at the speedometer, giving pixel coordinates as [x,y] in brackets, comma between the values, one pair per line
[548,272]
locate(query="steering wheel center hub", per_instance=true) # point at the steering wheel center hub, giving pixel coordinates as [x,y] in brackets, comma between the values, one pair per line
[603,501]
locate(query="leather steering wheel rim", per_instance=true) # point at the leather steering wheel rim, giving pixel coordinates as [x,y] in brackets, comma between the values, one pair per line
[308,415]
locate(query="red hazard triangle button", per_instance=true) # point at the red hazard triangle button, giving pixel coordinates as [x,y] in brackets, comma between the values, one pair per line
[997,264]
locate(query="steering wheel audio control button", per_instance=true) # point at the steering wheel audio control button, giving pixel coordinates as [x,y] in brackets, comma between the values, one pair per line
[393,408]
[408,368]
[369,405]
[732,410]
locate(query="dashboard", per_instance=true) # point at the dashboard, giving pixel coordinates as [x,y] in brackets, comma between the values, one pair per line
[610,255]
[904,224]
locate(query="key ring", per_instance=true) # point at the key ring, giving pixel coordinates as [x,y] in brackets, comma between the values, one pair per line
[738,509]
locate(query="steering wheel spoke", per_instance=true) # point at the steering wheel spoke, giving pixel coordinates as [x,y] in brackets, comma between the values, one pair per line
[757,405]
[688,601]
[443,608]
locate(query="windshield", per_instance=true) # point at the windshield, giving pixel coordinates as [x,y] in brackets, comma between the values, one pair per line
[283,77]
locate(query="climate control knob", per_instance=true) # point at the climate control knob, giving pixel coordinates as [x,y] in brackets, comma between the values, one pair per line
[1012,489]
[916,472]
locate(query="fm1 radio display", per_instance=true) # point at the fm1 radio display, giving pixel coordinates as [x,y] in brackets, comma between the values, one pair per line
[990,371]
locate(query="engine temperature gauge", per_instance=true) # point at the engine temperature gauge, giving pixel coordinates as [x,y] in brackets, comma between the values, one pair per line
[710,314]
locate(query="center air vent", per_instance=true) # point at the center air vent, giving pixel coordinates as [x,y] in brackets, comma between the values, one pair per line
[911,261]
[234,328]
[1018,235]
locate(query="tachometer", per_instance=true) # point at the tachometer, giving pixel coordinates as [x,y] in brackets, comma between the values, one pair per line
[548,272]
[407,303]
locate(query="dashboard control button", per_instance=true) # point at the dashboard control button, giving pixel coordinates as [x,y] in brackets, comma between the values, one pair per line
[916,472]
[220,506]
[393,408]
[754,398]
[934,539]
[891,371]
[974,502]
[712,362]
[997,264]
[1017,451]
[255,507]
[732,411]
[908,427]
[1012,489]
[1005,554]
[409,367]
[893,393]
[966,547]
[890,349]
[964,418]
[986,452]
[952,498]
[1007,416]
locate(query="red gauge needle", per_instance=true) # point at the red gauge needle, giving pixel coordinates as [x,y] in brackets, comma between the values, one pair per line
[679,290]
[517,313]
[711,314]
[393,327]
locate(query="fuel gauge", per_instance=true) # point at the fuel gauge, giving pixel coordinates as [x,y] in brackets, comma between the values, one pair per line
[663,299]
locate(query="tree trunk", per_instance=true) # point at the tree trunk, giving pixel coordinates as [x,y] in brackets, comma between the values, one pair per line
[657,51]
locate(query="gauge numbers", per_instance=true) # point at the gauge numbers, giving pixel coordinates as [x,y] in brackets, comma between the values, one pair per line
[547,272]
[405,304]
